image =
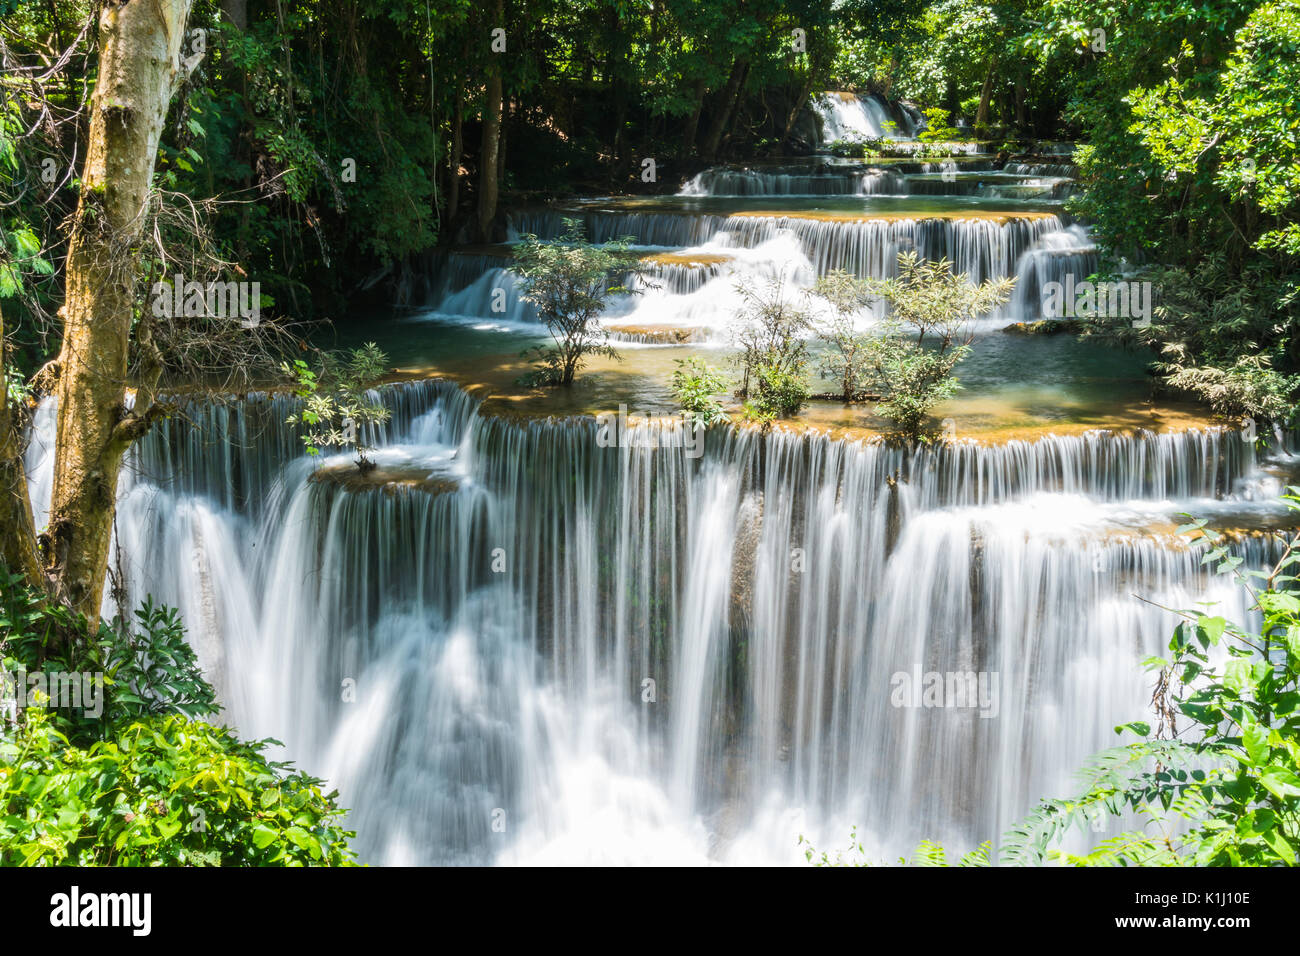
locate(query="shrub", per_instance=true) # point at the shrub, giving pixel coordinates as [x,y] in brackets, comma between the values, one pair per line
[570,281]
[848,360]
[165,791]
[937,129]
[147,781]
[938,304]
[780,392]
[339,406]
[773,357]
[694,384]
[1210,325]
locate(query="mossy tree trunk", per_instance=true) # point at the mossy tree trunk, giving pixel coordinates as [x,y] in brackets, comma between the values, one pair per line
[986,94]
[488,170]
[17,536]
[727,103]
[139,68]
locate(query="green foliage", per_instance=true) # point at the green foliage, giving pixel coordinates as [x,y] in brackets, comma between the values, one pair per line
[912,379]
[1249,387]
[849,358]
[770,332]
[147,782]
[149,668]
[22,256]
[694,385]
[937,129]
[1212,329]
[779,392]
[936,303]
[866,147]
[340,408]
[570,281]
[927,854]
[154,668]
[162,792]
[1193,162]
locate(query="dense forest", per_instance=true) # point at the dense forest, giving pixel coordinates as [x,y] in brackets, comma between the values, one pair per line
[793,220]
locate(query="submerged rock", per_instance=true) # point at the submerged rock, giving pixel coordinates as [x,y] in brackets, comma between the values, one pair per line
[389,478]
[1046,327]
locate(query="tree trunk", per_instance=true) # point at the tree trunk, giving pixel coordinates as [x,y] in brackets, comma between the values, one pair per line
[457,154]
[17,536]
[982,114]
[487,154]
[236,12]
[502,139]
[804,92]
[139,67]
[693,124]
[726,106]
[893,71]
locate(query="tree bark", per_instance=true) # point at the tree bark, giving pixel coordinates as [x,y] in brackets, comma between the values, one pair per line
[489,183]
[236,12]
[982,114]
[139,67]
[726,107]
[693,124]
[893,72]
[457,154]
[502,141]
[804,92]
[17,536]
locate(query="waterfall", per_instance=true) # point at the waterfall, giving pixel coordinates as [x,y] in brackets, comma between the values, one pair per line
[525,647]
[848,116]
[694,287]
[1058,170]
[696,247]
[983,247]
[1053,256]
[898,179]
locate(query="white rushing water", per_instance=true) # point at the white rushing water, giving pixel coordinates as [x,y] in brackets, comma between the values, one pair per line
[849,116]
[551,651]
[715,253]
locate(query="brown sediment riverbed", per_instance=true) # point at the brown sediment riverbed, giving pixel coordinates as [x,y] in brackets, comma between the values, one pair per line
[605,385]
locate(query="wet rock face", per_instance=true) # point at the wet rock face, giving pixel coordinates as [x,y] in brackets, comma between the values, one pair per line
[388,478]
[1046,327]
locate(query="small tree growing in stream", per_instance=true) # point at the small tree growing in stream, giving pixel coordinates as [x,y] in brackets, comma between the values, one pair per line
[848,359]
[929,299]
[770,333]
[338,402]
[694,384]
[570,281]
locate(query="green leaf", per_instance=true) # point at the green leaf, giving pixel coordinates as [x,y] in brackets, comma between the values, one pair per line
[263,836]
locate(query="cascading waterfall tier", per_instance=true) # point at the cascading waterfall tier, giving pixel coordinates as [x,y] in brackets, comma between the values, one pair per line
[848,116]
[559,651]
[983,247]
